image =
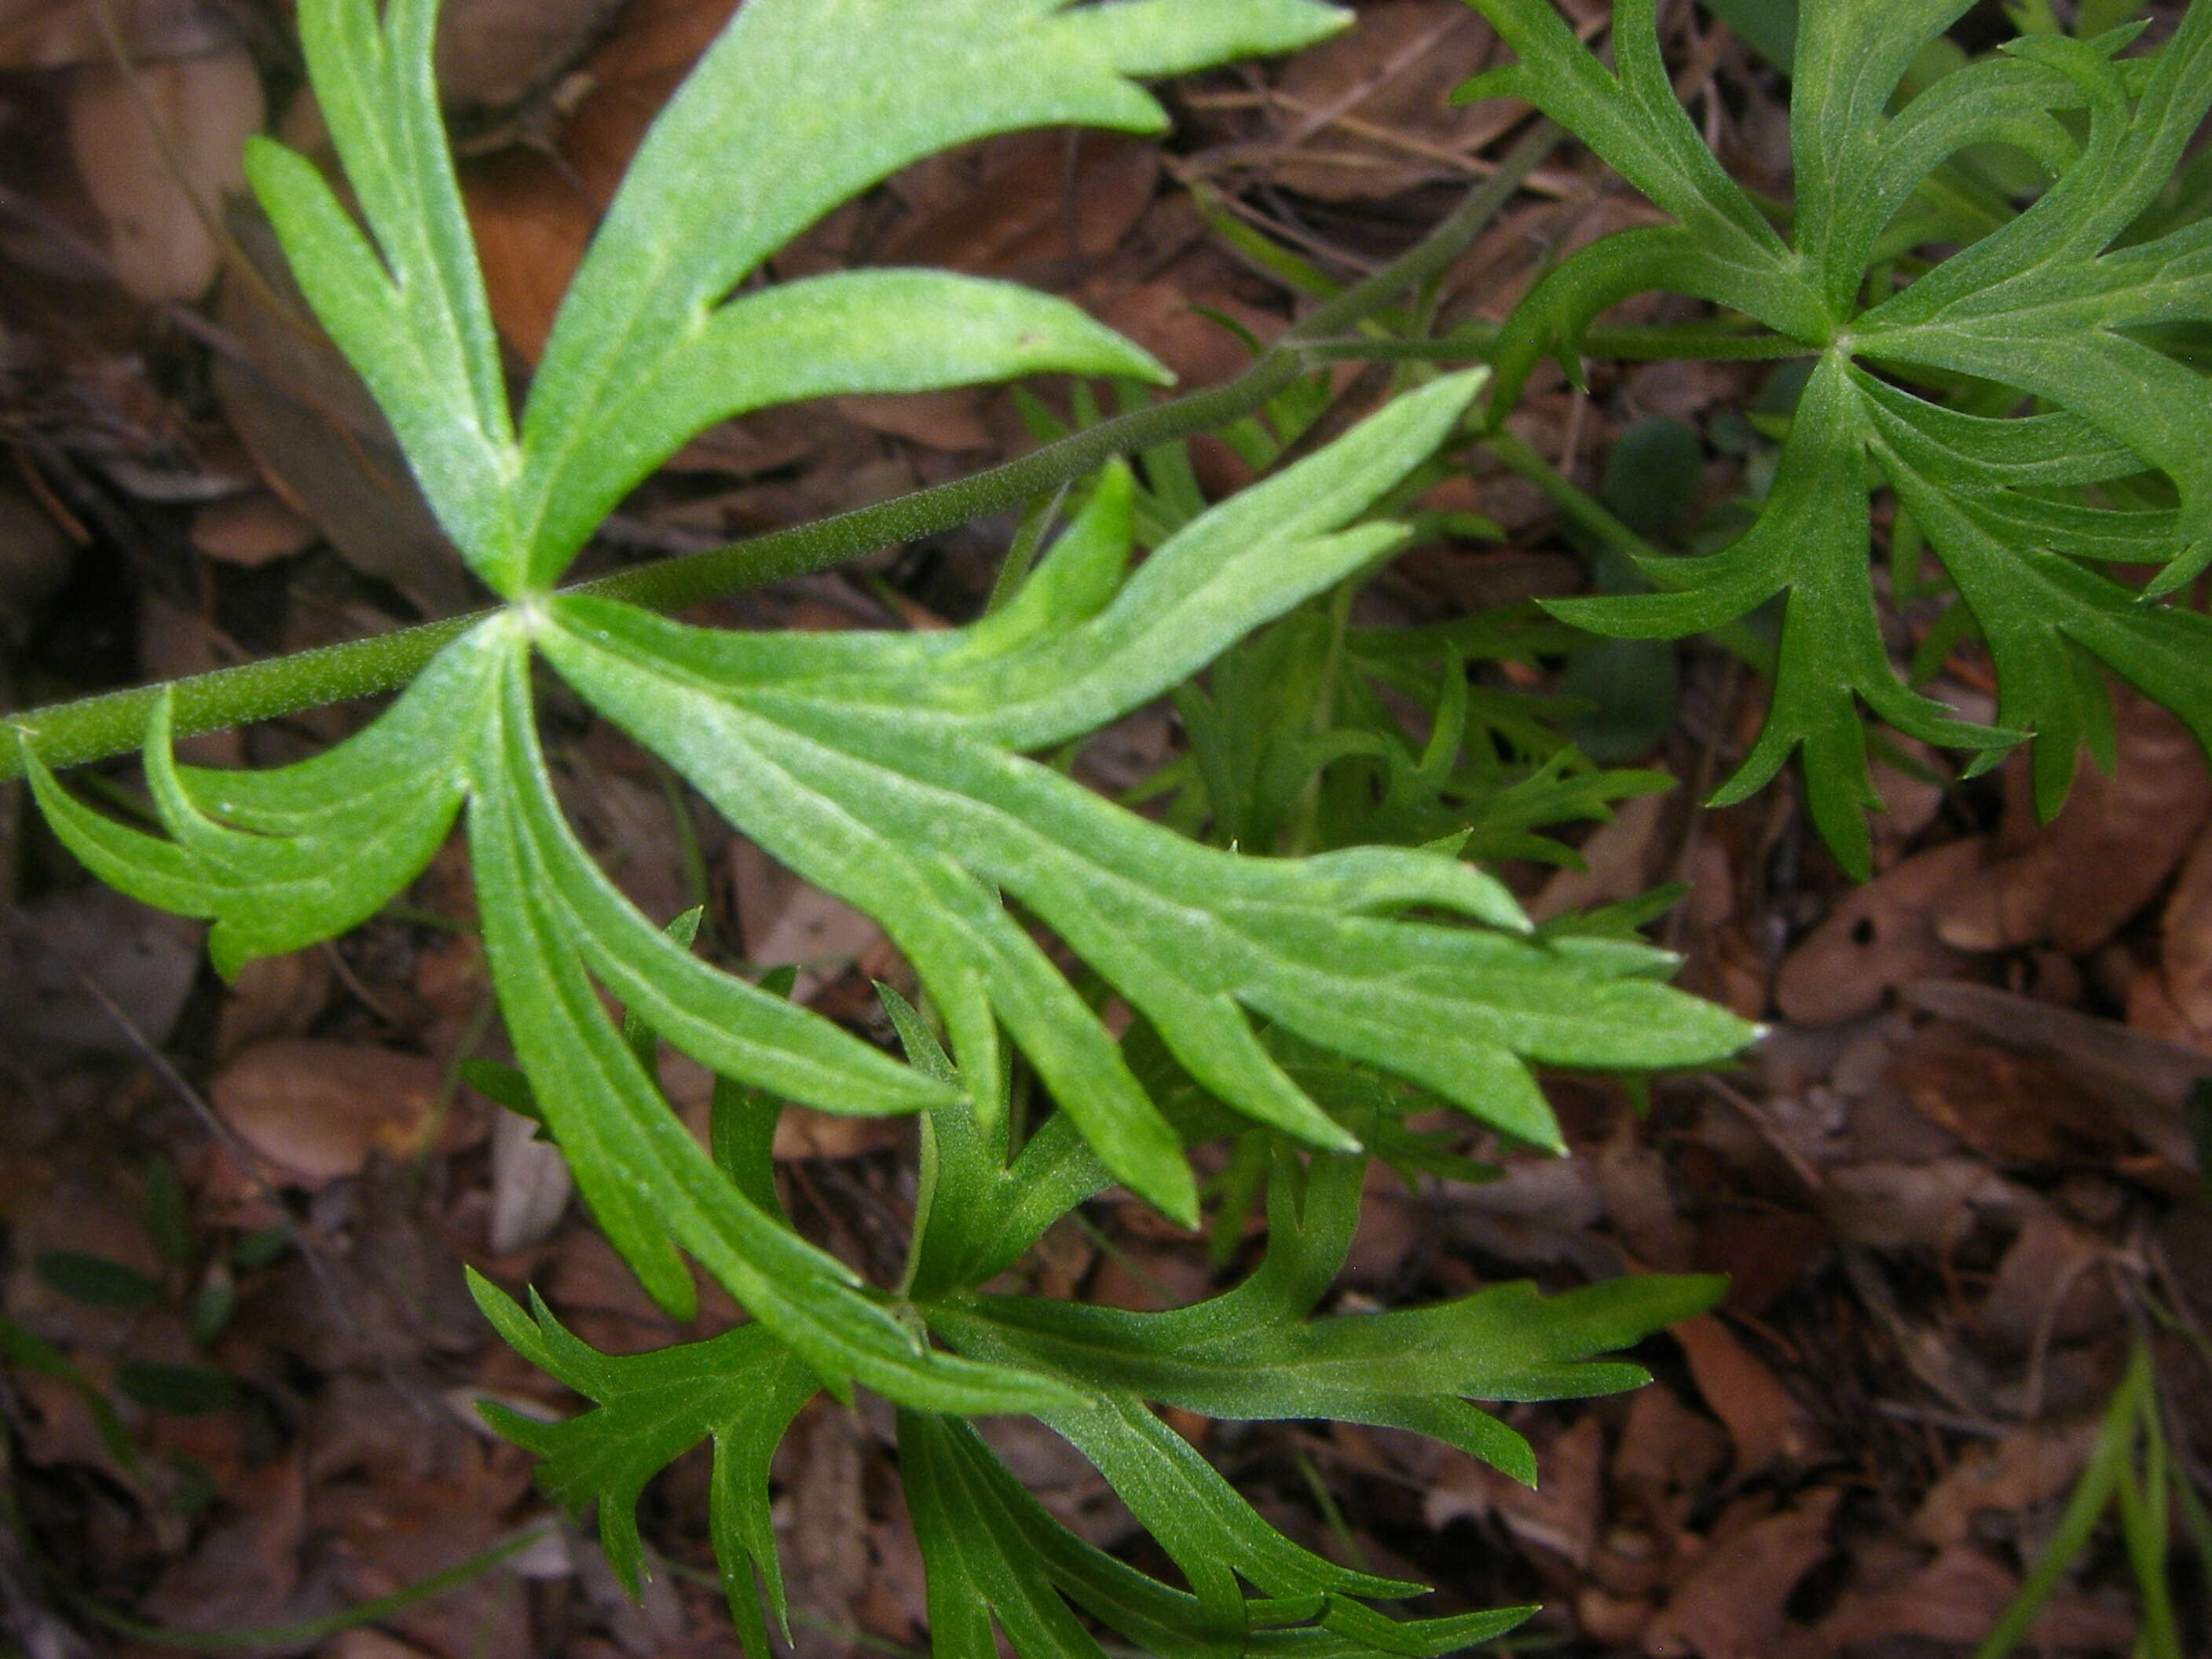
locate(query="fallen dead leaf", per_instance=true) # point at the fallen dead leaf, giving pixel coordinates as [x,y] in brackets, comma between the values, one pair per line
[782,919]
[950,419]
[2048,1287]
[1667,1455]
[2186,948]
[2010,1106]
[251,530]
[1733,1603]
[1369,112]
[493,55]
[532,224]
[1033,205]
[48,34]
[2145,1083]
[272,997]
[2025,1469]
[2075,880]
[159,196]
[317,438]
[317,1111]
[1764,1418]
[1879,937]
[1885,1204]
[529,1185]
[1957,1598]
[1619,858]
[1561,1513]
[144,961]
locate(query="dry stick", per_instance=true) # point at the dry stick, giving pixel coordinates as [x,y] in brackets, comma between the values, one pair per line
[93,728]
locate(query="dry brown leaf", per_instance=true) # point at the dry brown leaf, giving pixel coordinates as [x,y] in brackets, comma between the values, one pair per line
[1618,860]
[159,196]
[319,440]
[1956,1598]
[1667,1455]
[143,960]
[2025,1469]
[2144,1083]
[251,530]
[782,919]
[495,54]
[1879,937]
[317,1111]
[531,223]
[1035,205]
[529,1185]
[1370,111]
[2049,1287]
[2013,1108]
[1733,1604]
[1764,1418]
[2185,949]
[271,997]
[48,34]
[630,77]
[952,420]
[2075,880]
[1888,1205]
[1561,1513]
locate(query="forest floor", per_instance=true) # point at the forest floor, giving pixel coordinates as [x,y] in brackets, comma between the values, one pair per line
[1954,1189]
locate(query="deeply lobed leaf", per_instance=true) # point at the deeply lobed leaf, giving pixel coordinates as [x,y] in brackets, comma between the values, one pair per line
[2052,304]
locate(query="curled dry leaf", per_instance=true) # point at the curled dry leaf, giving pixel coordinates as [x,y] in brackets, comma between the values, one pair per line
[159,196]
[1879,937]
[318,1110]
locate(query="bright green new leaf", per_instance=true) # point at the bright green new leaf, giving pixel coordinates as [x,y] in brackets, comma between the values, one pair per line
[2055,304]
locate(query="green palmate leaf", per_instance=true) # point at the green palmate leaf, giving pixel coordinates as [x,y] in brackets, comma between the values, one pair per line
[878,767]
[994,1556]
[2054,304]
[741,1390]
[820,98]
